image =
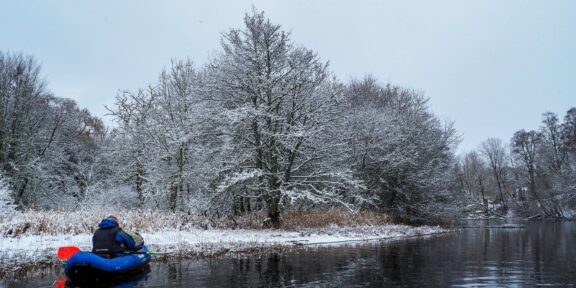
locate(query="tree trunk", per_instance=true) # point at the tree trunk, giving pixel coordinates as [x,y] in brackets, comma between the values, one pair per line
[173,200]
[140,178]
[273,203]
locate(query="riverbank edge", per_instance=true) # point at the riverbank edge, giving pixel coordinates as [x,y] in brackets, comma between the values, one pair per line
[18,255]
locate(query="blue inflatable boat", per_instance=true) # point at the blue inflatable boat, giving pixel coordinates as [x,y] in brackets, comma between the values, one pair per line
[87,267]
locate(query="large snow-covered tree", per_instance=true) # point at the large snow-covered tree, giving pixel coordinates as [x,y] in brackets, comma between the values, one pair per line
[176,126]
[47,143]
[23,109]
[399,148]
[131,141]
[281,102]
[159,137]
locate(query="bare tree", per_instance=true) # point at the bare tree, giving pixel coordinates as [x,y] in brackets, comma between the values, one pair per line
[495,153]
[474,178]
[568,135]
[551,132]
[525,146]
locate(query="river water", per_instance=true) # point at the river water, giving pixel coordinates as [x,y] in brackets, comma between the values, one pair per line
[542,254]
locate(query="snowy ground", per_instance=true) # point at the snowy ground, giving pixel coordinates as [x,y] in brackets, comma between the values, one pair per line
[20,252]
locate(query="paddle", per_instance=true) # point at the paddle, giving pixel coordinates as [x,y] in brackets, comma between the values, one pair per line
[60,282]
[146,253]
[65,252]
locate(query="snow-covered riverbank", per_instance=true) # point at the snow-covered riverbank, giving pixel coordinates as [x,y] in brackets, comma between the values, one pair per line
[24,251]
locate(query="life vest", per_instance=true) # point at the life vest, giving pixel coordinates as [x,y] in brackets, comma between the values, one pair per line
[103,242]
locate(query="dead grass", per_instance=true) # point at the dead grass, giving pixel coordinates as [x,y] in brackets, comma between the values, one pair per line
[331,217]
[55,222]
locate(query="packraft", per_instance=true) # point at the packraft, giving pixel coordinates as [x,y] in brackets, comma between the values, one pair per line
[87,267]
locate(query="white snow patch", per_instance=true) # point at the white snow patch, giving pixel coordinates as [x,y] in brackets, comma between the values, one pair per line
[27,250]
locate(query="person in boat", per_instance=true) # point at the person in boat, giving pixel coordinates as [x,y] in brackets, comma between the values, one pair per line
[111,241]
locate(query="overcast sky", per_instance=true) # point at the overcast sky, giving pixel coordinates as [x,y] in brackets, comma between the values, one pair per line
[493,67]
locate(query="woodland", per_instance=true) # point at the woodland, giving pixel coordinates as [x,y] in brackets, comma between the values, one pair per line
[266,128]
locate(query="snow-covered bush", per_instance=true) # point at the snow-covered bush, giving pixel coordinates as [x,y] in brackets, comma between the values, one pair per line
[6,201]
[119,197]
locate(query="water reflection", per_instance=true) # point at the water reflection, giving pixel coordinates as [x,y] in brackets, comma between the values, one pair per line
[540,255]
[133,279]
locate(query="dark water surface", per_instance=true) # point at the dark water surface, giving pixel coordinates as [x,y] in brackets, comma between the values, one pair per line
[543,254]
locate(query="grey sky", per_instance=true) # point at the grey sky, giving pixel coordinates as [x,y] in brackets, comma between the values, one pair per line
[492,66]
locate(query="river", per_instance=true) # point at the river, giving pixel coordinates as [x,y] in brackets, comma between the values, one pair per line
[542,254]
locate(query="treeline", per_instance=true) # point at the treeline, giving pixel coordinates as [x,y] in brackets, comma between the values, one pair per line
[264,126]
[534,175]
[47,144]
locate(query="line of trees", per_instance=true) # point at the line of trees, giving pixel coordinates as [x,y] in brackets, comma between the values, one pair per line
[47,143]
[264,126]
[535,175]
